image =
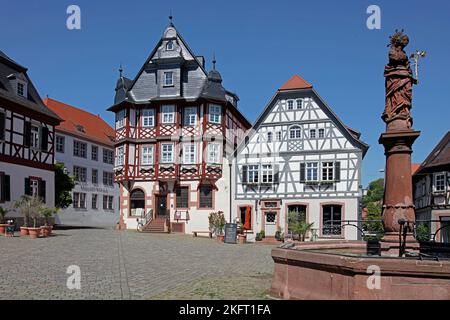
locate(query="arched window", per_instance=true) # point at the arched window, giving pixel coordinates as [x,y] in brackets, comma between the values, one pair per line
[295,132]
[137,203]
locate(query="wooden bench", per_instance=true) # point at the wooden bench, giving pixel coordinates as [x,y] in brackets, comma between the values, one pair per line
[195,233]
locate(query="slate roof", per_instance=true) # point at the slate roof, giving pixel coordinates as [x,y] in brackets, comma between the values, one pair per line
[92,126]
[438,157]
[32,101]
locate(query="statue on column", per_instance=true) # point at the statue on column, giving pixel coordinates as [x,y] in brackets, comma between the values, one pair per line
[399,81]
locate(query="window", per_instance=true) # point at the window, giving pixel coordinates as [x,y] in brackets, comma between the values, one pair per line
[290,104]
[215,112]
[206,197]
[327,171]
[120,156]
[137,203]
[267,173]
[182,197]
[94,176]
[79,200]
[147,155]
[35,140]
[108,156]
[120,119]
[331,217]
[269,137]
[94,201]
[60,141]
[108,202]
[169,46]
[5,187]
[295,132]
[278,135]
[167,153]
[35,187]
[213,153]
[79,174]
[148,117]
[94,153]
[2,125]
[311,171]
[312,133]
[439,182]
[321,133]
[21,89]
[79,149]
[168,79]
[189,153]
[168,114]
[108,178]
[299,103]
[253,172]
[190,116]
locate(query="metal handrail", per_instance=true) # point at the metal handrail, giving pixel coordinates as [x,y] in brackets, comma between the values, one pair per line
[148,217]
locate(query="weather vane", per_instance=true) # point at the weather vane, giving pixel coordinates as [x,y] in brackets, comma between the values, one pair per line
[415,56]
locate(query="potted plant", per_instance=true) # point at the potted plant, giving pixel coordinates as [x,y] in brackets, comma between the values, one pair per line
[278,234]
[298,224]
[258,236]
[29,207]
[217,224]
[263,234]
[47,213]
[3,226]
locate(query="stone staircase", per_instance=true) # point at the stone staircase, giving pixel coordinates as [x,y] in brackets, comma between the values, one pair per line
[157,225]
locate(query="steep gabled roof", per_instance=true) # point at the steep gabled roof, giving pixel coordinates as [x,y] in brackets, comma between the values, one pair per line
[294,83]
[350,134]
[440,156]
[81,123]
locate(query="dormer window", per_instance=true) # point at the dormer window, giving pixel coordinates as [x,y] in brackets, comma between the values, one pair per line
[80,128]
[168,79]
[21,89]
[19,83]
[169,46]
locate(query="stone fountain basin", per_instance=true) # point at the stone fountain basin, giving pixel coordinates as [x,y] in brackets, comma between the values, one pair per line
[338,270]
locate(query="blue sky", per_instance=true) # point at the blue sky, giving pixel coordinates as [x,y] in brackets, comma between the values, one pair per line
[258,45]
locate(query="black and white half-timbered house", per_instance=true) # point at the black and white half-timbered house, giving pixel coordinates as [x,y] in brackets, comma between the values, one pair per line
[300,157]
[176,131]
[26,138]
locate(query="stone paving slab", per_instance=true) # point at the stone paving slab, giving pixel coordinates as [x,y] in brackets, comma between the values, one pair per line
[131,265]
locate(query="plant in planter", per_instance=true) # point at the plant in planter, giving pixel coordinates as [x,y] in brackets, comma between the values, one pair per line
[422,232]
[217,224]
[29,207]
[258,236]
[278,234]
[298,224]
[263,234]
[47,213]
[3,226]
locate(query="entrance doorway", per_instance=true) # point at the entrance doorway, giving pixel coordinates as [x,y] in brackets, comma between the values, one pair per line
[270,227]
[137,203]
[161,206]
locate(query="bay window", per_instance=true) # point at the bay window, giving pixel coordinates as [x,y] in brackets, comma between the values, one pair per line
[213,153]
[120,119]
[189,153]
[190,116]
[215,113]
[148,118]
[168,114]
[120,156]
[167,153]
[147,155]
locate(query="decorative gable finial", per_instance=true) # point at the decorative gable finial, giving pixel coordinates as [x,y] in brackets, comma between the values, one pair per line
[170,19]
[214,61]
[120,70]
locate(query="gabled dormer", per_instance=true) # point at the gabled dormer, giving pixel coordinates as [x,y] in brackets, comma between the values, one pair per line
[19,84]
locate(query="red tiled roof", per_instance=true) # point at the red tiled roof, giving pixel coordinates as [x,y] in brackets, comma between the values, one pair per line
[414,167]
[92,126]
[296,82]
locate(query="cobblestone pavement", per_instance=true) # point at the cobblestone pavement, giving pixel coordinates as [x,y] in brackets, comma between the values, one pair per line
[131,265]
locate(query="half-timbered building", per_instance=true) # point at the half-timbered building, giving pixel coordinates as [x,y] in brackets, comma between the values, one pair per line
[431,183]
[27,138]
[176,129]
[300,157]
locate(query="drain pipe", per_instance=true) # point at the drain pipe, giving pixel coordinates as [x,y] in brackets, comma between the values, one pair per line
[231,186]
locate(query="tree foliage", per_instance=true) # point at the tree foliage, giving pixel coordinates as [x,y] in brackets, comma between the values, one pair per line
[63,185]
[373,202]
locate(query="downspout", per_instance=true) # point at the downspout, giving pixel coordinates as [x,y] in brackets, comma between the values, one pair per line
[231,187]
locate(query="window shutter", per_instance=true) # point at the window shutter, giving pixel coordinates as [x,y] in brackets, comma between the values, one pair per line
[2,126]
[276,174]
[27,187]
[44,138]
[302,172]
[244,174]
[27,133]
[42,190]
[337,171]
[6,189]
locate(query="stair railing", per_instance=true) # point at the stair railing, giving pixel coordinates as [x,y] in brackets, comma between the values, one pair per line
[148,217]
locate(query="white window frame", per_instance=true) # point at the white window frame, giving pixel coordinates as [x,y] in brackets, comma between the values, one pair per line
[190,116]
[168,113]
[171,47]
[253,173]
[34,187]
[269,136]
[321,133]
[120,157]
[167,155]
[120,119]
[327,169]
[279,136]
[290,104]
[214,113]
[189,153]
[59,144]
[77,200]
[299,104]
[312,168]
[81,148]
[21,88]
[148,118]
[147,155]
[435,182]
[35,139]
[166,79]
[312,133]
[213,153]
[266,173]
[297,134]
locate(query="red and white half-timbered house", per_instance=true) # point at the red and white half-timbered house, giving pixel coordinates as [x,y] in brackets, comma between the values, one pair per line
[176,132]
[27,129]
